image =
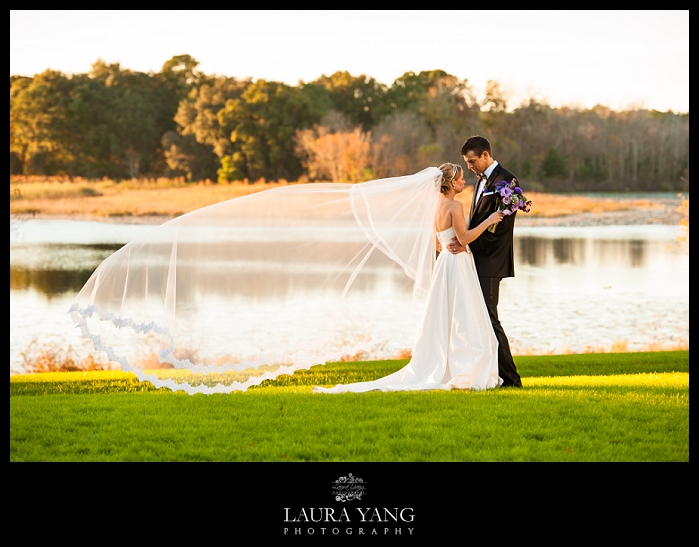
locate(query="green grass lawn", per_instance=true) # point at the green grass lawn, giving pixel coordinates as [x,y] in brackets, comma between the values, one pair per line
[590,407]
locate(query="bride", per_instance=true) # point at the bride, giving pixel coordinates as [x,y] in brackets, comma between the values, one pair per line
[455,347]
[230,295]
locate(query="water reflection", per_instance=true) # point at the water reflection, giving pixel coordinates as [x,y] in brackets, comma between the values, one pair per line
[53,269]
[575,288]
[48,282]
[539,252]
[631,254]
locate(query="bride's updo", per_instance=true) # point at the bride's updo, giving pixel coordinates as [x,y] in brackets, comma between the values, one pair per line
[450,172]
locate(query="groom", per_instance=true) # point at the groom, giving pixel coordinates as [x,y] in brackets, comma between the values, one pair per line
[492,252]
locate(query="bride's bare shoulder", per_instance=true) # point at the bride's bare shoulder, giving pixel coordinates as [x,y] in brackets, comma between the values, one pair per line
[451,207]
[450,204]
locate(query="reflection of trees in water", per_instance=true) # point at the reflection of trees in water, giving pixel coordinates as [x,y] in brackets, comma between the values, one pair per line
[638,253]
[531,250]
[564,251]
[631,253]
[63,256]
[255,283]
[48,282]
[56,268]
[253,269]
[538,251]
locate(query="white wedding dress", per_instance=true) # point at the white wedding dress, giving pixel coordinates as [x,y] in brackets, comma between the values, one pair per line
[173,306]
[455,346]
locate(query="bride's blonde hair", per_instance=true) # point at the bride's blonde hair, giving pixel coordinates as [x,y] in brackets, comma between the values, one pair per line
[450,172]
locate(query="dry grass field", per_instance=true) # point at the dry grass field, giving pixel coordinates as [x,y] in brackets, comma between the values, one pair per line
[171,198]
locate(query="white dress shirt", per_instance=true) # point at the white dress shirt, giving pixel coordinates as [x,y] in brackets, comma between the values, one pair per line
[482,182]
[479,191]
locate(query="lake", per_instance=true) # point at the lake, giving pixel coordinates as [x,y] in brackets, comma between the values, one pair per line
[576,289]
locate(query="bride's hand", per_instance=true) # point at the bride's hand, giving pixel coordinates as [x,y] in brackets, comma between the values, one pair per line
[496,217]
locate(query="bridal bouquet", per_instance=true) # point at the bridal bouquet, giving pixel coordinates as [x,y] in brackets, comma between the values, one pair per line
[510,199]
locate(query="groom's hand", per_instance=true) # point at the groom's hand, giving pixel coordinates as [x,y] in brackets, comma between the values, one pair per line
[455,247]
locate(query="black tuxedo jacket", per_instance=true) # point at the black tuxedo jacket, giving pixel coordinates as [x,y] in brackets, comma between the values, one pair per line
[493,253]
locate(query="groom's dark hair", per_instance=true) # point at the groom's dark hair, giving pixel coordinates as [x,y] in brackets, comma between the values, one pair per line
[477,144]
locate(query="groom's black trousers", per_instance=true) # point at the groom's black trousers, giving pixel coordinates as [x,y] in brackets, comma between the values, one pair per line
[506,365]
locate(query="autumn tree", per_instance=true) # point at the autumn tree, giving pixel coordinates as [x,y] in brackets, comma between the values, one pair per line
[180,122]
[334,151]
[401,143]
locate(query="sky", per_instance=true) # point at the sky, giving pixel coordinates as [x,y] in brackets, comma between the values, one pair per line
[622,59]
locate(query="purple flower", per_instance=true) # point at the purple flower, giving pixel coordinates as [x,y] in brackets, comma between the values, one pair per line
[509,199]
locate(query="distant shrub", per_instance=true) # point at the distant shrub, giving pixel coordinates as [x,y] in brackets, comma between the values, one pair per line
[48,358]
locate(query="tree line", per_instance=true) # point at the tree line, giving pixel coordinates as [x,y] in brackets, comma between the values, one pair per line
[179,122]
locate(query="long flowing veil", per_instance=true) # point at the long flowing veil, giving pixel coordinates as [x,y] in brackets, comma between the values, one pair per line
[215,301]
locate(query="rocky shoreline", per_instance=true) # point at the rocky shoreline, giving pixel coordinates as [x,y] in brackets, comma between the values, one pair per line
[666,213]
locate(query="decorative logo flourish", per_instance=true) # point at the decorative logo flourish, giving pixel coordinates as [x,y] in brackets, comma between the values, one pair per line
[349,488]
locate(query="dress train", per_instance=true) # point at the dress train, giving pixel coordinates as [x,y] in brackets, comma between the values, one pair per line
[455,346]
